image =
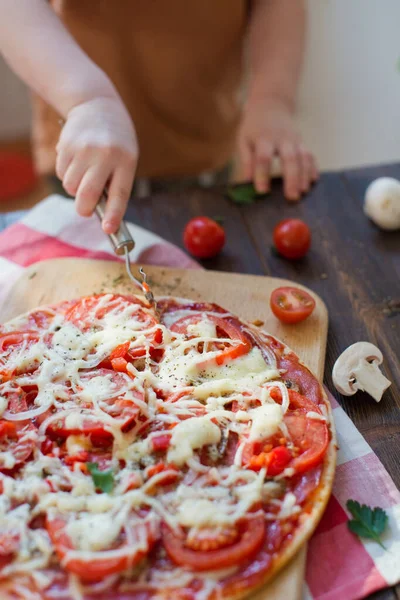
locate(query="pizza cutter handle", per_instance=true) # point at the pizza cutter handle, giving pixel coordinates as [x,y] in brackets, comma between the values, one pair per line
[121,239]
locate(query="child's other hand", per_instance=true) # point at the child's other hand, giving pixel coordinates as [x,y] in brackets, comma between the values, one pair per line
[268,129]
[98,146]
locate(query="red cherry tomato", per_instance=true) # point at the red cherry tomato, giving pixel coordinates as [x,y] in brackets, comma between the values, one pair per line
[292,238]
[203,237]
[291,305]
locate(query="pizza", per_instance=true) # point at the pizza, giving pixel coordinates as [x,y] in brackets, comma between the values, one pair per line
[182,455]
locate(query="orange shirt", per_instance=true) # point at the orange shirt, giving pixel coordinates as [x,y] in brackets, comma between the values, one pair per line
[177,65]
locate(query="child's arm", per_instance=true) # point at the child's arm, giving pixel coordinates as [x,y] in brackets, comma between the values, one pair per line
[276,43]
[98,141]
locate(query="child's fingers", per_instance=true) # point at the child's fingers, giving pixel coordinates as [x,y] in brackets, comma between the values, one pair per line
[91,188]
[309,171]
[291,167]
[63,161]
[118,197]
[313,167]
[73,176]
[246,162]
[262,171]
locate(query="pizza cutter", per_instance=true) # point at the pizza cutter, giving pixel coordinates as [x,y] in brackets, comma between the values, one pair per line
[123,244]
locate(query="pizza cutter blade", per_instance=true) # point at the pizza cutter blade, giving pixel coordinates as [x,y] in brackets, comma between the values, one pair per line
[123,244]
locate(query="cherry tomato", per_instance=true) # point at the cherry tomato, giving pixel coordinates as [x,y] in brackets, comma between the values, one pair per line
[291,305]
[203,237]
[292,238]
[249,539]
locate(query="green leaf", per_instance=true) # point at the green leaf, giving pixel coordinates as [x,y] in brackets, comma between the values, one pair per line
[243,194]
[219,220]
[367,522]
[103,480]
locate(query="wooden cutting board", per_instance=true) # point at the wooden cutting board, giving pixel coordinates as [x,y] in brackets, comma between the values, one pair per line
[245,295]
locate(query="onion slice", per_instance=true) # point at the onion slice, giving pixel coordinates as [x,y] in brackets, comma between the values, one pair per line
[26,415]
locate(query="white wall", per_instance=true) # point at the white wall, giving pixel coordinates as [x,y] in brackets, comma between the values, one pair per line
[349,103]
[350,93]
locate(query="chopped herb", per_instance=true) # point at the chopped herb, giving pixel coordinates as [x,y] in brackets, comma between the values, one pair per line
[243,194]
[103,480]
[118,280]
[367,522]
[32,275]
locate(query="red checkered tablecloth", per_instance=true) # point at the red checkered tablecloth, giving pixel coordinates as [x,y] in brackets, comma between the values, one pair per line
[339,565]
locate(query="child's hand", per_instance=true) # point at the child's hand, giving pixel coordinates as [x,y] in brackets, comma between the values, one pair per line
[267,130]
[98,146]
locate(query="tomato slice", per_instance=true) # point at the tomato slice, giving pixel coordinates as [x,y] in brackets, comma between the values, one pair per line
[88,426]
[309,436]
[250,537]
[225,329]
[8,341]
[291,305]
[106,563]
[10,347]
[92,310]
[16,443]
[117,405]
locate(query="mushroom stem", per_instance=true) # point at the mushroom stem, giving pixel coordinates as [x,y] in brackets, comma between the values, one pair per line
[369,379]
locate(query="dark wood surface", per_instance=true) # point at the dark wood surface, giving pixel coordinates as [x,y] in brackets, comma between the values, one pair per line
[352,265]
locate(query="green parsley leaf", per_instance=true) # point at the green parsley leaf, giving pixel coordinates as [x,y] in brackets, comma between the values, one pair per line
[367,522]
[103,480]
[244,193]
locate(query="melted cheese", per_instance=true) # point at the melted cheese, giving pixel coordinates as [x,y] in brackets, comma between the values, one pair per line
[94,532]
[201,512]
[77,443]
[3,405]
[266,420]
[203,328]
[190,435]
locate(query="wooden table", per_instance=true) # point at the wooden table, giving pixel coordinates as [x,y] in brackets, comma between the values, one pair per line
[352,265]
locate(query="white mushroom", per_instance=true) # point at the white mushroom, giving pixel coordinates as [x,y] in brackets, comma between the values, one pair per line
[357,368]
[382,202]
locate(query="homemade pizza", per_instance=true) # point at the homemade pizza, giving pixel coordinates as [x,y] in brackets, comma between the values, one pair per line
[177,455]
